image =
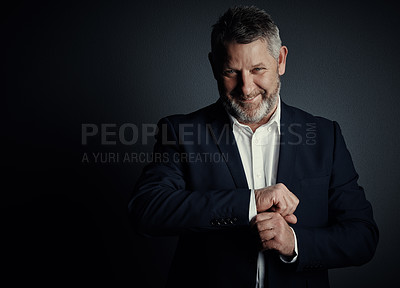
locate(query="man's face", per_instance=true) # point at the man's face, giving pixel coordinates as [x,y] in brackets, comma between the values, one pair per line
[249,81]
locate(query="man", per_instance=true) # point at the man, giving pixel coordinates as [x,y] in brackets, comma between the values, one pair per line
[276,208]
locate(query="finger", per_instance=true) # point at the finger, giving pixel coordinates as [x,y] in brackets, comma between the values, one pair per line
[267,235]
[265,225]
[292,219]
[294,202]
[287,204]
[263,216]
[266,221]
[260,218]
[271,244]
[282,208]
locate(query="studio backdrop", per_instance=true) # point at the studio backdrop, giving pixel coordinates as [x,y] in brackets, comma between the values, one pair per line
[85,84]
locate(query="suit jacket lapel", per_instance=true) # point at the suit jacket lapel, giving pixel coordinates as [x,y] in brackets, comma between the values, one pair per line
[222,134]
[288,146]
[221,131]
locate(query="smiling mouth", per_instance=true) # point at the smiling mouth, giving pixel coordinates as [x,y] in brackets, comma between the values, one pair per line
[249,99]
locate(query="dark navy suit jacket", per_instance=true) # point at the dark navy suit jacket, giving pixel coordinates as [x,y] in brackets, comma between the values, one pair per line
[196,188]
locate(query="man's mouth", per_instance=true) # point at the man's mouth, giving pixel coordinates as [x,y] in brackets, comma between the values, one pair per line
[249,99]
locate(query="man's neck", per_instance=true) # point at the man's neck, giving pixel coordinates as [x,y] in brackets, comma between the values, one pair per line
[254,126]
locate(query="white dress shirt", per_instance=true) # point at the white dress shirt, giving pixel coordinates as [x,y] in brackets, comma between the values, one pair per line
[259,152]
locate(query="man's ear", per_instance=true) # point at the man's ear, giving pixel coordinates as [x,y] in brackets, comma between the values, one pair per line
[282,60]
[213,65]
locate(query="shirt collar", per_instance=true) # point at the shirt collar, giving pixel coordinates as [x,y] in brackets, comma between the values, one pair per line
[275,118]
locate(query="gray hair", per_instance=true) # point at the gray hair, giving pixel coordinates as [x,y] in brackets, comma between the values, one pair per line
[243,25]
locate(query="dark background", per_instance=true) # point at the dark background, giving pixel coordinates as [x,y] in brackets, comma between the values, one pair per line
[65,64]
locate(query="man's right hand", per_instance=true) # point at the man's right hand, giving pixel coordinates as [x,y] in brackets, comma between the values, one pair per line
[277,198]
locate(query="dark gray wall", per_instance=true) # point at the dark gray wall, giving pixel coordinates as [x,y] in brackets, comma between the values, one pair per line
[66,64]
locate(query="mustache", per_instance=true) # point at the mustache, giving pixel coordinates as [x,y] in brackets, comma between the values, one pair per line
[253,93]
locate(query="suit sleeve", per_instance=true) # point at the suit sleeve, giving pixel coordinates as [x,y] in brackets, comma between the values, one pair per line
[162,205]
[352,235]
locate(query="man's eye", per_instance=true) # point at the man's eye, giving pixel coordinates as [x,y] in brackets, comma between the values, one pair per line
[229,72]
[258,69]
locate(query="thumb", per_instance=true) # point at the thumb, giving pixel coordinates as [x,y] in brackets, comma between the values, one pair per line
[292,219]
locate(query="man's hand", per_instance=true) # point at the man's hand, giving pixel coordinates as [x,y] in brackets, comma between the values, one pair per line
[277,198]
[275,233]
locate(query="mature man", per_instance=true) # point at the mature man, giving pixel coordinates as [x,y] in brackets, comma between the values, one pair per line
[276,208]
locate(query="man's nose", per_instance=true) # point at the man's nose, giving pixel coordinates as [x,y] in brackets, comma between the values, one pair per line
[246,83]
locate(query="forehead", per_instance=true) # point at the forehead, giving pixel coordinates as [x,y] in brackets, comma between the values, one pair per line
[251,53]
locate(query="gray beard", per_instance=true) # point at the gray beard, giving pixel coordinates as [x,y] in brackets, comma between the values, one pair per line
[244,116]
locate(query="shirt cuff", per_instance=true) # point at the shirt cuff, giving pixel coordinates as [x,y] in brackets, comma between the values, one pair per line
[252,205]
[293,259]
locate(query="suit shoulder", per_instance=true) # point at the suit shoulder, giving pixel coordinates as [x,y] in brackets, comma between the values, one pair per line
[306,117]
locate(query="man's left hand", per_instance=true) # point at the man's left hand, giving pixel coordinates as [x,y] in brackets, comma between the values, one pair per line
[275,233]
